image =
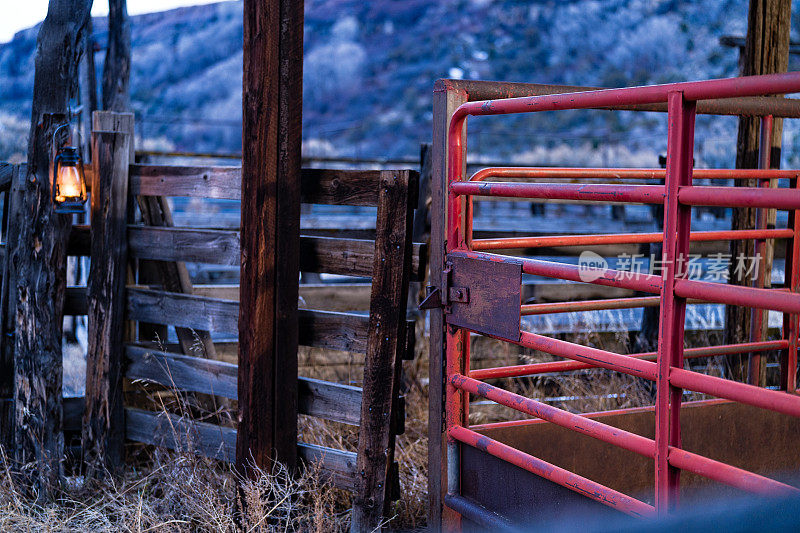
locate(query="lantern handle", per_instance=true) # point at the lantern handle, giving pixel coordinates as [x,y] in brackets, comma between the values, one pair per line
[65,125]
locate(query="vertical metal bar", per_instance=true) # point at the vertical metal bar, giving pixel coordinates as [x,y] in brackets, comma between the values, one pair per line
[673,309]
[791,322]
[758,316]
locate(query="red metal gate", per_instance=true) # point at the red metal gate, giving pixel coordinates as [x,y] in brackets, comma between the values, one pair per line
[479,292]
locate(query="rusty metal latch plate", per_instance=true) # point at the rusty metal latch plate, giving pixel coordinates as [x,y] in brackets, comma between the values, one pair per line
[491,296]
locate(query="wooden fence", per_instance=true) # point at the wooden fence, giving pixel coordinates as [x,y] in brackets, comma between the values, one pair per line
[139,286]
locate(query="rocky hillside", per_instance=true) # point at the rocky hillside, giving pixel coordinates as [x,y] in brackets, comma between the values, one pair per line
[370,68]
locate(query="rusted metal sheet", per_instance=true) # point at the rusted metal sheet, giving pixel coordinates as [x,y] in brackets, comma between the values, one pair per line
[487,296]
[752,439]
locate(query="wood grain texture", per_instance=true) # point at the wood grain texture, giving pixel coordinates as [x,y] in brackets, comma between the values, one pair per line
[322,329]
[8,315]
[103,426]
[39,256]
[385,347]
[183,310]
[271,138]
[217,247]
[766,51]
[346,332]
[117,63]
[321,399]
[318,186]
[331,255]
[171,431]
[223,183]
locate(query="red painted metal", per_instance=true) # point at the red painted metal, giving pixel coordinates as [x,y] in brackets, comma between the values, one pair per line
[677,220]
[644,194]
[587,426]
[627,173]
[791,322]
[624,238]
[673,289]
[565,478]
[618,437]
[590,305]
[534,369]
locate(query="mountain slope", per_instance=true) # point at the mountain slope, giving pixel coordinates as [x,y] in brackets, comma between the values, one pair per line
[370,68]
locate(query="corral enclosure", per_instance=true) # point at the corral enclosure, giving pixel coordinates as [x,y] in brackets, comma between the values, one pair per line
[199,337]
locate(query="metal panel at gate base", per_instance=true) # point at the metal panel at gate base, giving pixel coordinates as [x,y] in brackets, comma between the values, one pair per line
[485,296]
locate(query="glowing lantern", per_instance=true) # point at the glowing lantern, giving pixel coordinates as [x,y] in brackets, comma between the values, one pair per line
[69,186]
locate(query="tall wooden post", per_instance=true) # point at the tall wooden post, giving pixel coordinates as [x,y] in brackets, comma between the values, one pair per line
[271,137]
[8,310]
[766,52]
[38,257]
[117,66]
[103,432]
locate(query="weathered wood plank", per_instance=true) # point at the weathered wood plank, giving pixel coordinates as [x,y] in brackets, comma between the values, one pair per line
[322,329]
[346,187]
[330,401]
[217,442]
[217,247]
[6,174]
[337,331]
[350,257]
[182,372]
[176,433]
[385,347]
[103,427]
[322,399]
[183,310]
[318,186]
[338,466]
[224,183]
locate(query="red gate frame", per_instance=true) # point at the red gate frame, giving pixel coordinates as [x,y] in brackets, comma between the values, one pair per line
[683,101]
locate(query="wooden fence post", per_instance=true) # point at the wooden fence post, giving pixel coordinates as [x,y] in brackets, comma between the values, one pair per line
[103,432]
[270,241]
[385,347]
[7,312]
[766,51]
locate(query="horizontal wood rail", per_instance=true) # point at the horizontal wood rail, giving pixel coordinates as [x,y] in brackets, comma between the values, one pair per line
[331,255]
[342,331]
[322,399]
[321,329]
[209,440]
[217,442]
[318,186]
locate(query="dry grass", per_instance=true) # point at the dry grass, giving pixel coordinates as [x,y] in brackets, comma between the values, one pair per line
[179,491]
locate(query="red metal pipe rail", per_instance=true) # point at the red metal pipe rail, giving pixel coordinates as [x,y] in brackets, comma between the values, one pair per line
[628,173]
[625,238]
[534,369]
[623,439]
[565,478]
[788,199]
[673,288]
